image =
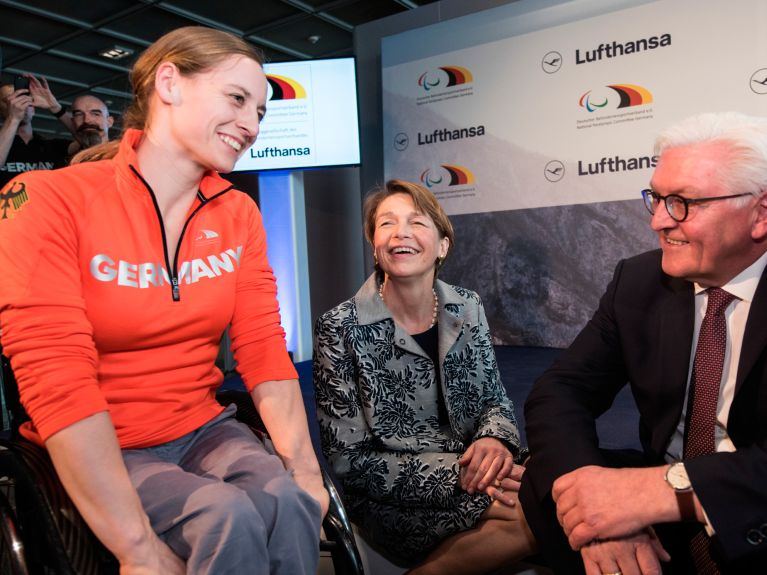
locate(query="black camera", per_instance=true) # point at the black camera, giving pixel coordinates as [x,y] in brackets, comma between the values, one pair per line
[20,83]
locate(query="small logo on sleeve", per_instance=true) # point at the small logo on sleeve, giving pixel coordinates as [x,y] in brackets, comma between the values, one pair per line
[206,235]
[11,201]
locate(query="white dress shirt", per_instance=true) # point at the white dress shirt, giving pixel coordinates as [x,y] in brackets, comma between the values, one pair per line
[743,287]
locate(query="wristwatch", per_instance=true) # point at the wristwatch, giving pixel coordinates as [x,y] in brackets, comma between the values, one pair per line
[679,481]
[677,478]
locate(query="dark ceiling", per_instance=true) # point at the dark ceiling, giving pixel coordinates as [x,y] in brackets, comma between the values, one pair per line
[61,40]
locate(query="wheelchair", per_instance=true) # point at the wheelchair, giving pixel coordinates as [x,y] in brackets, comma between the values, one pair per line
[41,531]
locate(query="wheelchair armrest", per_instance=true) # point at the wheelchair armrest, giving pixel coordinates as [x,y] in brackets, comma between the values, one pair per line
[336,507]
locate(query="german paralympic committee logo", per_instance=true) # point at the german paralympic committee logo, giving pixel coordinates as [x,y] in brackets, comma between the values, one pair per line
[284,88]
[447,175]
[619,96]
[445,77]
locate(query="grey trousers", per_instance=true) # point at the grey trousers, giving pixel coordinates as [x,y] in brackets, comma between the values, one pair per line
[224,503]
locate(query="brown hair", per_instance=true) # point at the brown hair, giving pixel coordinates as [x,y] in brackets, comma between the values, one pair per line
[193,49]
[424,201]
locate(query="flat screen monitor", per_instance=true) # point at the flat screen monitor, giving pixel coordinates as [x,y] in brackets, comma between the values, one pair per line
[311,117]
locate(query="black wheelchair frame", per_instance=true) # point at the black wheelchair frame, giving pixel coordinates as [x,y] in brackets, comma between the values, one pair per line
[41,531]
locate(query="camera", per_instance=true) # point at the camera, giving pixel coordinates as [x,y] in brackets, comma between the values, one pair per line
[20,83]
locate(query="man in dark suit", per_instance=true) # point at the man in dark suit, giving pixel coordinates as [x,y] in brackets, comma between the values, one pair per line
[686,327]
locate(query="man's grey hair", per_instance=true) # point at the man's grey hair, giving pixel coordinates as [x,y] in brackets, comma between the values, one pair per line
[744,166]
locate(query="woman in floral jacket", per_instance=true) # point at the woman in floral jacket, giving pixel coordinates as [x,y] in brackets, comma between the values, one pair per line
[413,415]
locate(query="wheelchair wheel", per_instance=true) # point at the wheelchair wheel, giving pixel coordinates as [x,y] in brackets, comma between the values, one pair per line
[12,559]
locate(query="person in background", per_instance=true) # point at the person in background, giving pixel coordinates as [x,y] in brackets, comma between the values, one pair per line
[91,121]
[21,149]
[111,314]
[685,327]
[413,416]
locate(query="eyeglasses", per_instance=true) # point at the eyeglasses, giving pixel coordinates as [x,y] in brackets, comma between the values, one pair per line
[677,206]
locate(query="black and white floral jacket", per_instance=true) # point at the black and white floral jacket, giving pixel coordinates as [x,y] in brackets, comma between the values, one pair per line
[376,393]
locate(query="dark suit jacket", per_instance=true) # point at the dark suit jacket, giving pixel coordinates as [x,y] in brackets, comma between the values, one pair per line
[641,334]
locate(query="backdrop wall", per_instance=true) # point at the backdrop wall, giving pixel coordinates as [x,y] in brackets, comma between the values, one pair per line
[533,123]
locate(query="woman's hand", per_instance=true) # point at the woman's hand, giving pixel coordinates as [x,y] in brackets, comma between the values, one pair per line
[506,490]
[312,483]
[281,407]
[161,561]
[90,465]
[485,462]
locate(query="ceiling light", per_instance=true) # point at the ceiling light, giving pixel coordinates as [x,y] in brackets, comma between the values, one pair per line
[116,53]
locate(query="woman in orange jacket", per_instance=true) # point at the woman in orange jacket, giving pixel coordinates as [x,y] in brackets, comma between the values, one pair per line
[119,278]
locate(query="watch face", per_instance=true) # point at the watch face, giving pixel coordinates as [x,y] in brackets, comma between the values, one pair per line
[676,476]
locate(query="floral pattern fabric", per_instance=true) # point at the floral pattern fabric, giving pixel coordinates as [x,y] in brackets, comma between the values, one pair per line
[377,405]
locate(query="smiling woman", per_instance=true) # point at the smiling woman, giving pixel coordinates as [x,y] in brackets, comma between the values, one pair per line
[411,237]
[413,416]
[207,119]
[120,380]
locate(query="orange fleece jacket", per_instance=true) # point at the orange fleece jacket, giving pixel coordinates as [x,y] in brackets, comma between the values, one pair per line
[88,312]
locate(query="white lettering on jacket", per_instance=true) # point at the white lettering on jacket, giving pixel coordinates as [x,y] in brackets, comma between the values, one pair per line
[143,275]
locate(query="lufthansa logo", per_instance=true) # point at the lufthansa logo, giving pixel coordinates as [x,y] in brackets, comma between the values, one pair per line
[401,141]
[551,62]
[554,171]
[758,81]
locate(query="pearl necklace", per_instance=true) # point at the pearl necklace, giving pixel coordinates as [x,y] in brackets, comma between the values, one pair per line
[433,311]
